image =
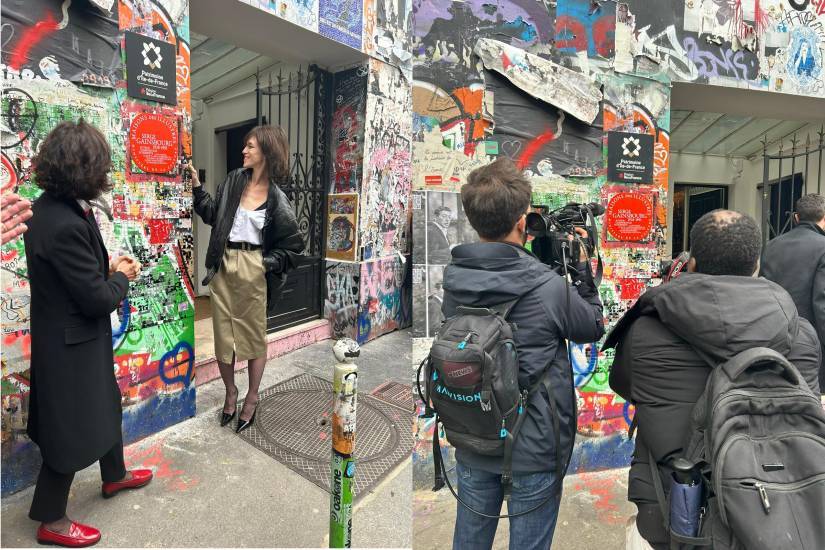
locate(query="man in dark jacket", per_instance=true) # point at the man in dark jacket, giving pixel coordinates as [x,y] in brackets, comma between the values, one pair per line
[498,269]
[796,262]
[668,342]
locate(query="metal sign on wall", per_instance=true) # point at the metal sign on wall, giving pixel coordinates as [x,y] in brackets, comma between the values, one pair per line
[153,143]
[629,157]
[150,69]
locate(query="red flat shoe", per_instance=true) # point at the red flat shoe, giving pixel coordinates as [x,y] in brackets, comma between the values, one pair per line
[139,479]
[79,536]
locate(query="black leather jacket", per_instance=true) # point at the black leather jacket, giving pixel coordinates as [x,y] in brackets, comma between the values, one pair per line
[282,241]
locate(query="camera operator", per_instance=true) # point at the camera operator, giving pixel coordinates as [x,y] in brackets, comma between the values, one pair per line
[796,262]
[496,199]
[666,343]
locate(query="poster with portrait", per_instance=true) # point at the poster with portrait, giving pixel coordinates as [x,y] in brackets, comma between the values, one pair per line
[342,227]
[439,217]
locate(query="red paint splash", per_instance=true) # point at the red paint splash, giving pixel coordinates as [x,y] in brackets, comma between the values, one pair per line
[153,457]
[505,61]
[534,147]
[604,490]
[30,38]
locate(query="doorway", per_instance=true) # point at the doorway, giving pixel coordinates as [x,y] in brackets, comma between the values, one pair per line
[691,202]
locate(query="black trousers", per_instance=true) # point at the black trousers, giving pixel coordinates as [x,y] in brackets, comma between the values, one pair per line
[51,493]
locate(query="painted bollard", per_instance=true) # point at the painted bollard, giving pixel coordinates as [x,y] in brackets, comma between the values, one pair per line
[345,396]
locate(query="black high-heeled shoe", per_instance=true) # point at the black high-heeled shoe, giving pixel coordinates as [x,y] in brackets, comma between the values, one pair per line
[226,418]
[244,424]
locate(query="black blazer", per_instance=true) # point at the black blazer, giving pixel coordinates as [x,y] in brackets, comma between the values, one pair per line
[796,262]
[74,408]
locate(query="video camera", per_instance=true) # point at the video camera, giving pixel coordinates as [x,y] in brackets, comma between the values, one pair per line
[551,231]
[671,269]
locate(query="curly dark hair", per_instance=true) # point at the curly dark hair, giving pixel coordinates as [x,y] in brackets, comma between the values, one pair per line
[275,147]
[74,161]
[724,242]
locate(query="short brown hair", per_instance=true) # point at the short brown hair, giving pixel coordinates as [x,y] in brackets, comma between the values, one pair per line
[275,146]
[74,162]
[495,197]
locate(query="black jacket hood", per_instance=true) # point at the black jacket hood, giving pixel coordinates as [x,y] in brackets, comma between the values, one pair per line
[485,274]
[719,315]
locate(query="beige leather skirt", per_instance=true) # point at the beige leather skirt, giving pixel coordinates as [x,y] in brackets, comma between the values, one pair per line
[239,306]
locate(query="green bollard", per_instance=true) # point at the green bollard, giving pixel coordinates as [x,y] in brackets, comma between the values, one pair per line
[345,399]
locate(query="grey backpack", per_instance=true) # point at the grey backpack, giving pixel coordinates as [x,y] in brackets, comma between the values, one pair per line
[758,441]
[472,388]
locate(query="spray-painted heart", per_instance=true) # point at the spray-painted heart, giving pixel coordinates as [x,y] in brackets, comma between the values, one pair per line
[511,148]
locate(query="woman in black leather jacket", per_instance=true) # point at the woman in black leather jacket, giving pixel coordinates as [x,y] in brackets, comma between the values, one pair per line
[254,242]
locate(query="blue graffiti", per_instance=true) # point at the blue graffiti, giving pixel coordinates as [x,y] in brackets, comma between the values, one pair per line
[804,57]
[626,413]
[186,378]
[582,373]
[522,29]
[125,316]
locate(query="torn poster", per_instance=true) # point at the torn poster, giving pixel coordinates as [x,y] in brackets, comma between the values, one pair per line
[566,89]
[105,5]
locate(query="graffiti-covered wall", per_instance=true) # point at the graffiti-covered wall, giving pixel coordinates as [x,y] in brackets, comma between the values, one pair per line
[772,45]
[368,209]
[577,93]
[67,61]
[517,79]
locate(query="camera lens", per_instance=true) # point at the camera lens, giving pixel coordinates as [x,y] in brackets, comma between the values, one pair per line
[536,223]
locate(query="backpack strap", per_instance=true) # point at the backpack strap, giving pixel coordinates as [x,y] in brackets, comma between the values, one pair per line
[505,308]
[656,478]
[438,460]
[507,462]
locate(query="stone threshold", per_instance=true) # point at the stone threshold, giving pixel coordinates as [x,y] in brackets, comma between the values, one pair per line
[278,344]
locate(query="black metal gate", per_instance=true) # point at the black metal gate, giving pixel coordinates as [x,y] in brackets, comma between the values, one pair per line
[780,192]
[298,102]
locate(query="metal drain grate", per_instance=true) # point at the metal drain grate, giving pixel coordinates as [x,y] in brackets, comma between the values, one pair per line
[293,425]
[395,393]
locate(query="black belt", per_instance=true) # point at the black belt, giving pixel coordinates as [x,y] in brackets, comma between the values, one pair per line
[242,246]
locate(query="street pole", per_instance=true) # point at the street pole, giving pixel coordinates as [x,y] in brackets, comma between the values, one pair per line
[345,397]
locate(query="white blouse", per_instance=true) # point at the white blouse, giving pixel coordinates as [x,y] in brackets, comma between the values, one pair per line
[248,226]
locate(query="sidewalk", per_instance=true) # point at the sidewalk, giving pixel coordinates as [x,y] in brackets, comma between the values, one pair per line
[593,515]
[213,489]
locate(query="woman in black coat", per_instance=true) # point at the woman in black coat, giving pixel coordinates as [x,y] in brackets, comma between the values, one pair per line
[74,410]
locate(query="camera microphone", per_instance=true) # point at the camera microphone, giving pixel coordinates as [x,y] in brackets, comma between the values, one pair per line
[596,208]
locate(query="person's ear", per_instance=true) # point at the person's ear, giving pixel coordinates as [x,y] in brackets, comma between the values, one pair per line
[691,265]
[758,266]
[796,218]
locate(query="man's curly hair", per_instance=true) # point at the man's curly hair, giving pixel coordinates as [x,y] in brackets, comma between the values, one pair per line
[74,161]
[724,242]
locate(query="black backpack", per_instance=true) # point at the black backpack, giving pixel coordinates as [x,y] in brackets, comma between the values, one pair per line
[757,442]
[472,389]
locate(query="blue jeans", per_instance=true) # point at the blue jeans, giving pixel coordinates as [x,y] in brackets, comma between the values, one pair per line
[482,491]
